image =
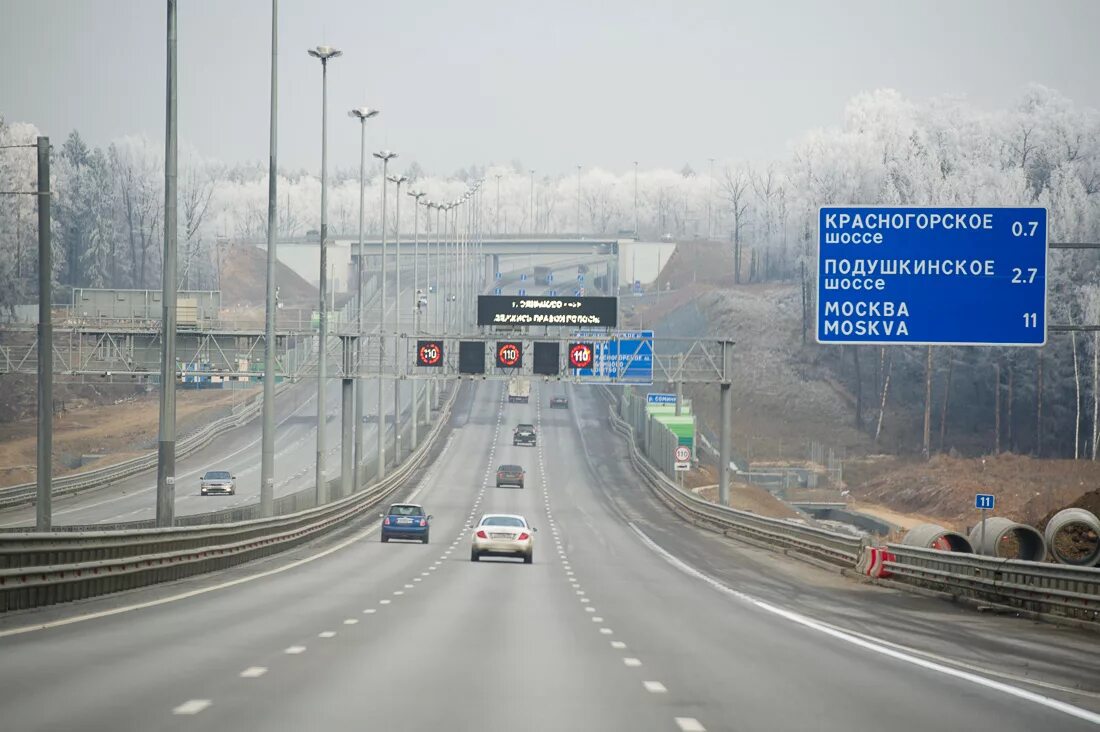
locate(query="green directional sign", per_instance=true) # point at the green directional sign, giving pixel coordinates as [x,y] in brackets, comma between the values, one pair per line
[683,427]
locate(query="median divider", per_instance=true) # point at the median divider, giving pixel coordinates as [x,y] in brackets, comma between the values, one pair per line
[45,568]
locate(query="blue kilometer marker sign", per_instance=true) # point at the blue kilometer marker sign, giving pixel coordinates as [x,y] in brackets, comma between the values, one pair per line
[985,501]
[935,276]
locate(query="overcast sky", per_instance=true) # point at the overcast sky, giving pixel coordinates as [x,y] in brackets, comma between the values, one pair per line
[551,83]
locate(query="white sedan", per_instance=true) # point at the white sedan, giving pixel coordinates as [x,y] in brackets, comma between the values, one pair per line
[503,534]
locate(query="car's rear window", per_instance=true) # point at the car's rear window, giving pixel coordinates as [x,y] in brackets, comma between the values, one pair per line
[399,510]
[217,475]
[502,521]
[510,468]
[527,427]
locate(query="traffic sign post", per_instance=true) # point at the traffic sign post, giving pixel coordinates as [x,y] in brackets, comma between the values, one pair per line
[984,502]
[932,276]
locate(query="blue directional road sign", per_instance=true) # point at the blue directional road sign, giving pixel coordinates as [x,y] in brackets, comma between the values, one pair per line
[985,501]
[637,287]
[657,398]
[937,276]
[549,278]
[497,291]
[625,359]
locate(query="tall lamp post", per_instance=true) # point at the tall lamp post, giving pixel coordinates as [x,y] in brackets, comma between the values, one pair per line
[385,156]
[362,114]
[496,214]
[636,199]
[416,196]
[397,180]
[578,202]
[531,204]
[324,53]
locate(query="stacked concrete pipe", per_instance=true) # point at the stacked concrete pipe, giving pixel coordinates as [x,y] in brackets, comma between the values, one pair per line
[933,536]
[1002,532]
[1068,520]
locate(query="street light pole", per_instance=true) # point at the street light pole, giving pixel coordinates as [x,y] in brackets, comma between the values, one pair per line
[324,53]
[362,114]
[166,440]
[385,156]
[710,199]
[416,196]
[397,180]
[267,448]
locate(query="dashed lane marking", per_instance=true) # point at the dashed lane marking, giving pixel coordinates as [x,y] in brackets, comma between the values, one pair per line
[654,687]
[689,724]
[253,672]
[326,634]
[194,706]
[294,650]
[606,631]
[369,611]
[632,662]
[618,645]
[351,621]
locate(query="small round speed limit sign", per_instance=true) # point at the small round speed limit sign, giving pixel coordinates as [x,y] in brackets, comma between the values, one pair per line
[683,454]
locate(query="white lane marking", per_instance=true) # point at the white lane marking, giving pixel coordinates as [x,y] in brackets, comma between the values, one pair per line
[632,662]
[253,672]
[585,599]
[606,631]
[294,650]
[871,643]
[369,611]
[409,587]
[618,645]
[689,724]
[423,574]
[597,620]
[351,621]
[399,592]
[415,579]
[326,634]
[194,706]
[590,609]
[383,602]
[654,687]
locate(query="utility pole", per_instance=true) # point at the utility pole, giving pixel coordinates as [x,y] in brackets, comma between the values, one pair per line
[44,477]
[267,449]
[725,437]
[166,439]
[362,114]
[416,196]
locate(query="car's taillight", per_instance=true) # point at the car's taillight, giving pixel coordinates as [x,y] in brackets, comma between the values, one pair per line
[500,473]
[523,536]
[423,522]
[386,521]
[481,534]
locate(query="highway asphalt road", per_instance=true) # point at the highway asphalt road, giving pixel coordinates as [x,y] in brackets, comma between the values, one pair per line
[629,619]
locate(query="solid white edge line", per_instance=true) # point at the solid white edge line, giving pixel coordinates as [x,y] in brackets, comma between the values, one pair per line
[869,642]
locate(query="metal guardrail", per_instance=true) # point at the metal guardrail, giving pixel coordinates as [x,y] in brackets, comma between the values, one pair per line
[835,548]
[66,485]
[1039,587]
[45,568]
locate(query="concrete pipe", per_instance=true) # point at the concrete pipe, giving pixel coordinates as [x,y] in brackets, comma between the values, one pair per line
[931,536]
[1073,535]
[1009,539]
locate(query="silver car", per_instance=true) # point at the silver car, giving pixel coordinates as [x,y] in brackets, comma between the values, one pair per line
[218,482]
[503,535]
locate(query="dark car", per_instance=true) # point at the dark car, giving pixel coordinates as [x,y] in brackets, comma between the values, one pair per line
[559,402]
[406,521]
[524,434]
[510,475]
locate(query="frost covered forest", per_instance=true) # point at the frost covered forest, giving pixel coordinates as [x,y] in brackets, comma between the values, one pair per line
[1043,150]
